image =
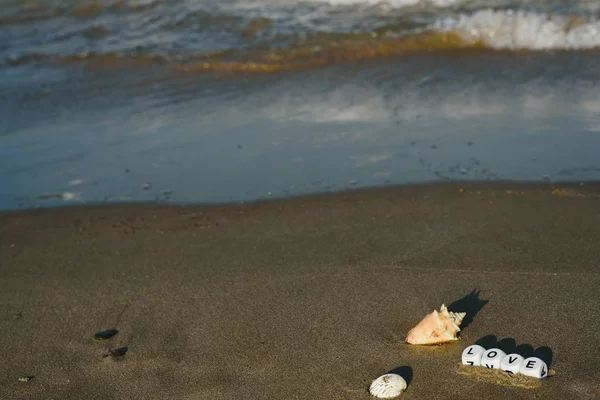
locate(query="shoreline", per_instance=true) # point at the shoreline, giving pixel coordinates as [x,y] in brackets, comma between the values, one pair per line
[300,298]
[559,188]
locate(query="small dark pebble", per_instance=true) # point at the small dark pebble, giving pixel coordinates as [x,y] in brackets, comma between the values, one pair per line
[117,354]
[105,334]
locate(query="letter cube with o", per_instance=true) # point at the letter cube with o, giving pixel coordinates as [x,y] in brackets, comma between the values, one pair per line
[534,367]
[472,355]
[492,358]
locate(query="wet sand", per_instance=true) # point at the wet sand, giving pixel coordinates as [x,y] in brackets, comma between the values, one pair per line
[305,298]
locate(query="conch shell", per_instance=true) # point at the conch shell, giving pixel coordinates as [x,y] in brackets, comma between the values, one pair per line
[438,327]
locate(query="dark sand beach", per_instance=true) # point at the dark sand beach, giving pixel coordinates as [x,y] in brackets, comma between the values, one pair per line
[304,298]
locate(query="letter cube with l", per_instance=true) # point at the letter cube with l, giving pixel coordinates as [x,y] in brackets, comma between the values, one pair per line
[492,358]
[534,367]
[511,363]
[472,355]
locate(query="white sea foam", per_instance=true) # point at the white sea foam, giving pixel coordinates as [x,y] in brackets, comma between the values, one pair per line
[75,182]
[384,3]
[352,103]
[397,3]
[524,30]
[361,161]
[70,196]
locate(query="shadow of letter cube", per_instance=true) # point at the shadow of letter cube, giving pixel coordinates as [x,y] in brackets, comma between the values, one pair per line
[511,363]
[534,367]
[492,358]
[472,355]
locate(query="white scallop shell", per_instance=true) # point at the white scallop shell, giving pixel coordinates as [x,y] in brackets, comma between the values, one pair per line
[387,386]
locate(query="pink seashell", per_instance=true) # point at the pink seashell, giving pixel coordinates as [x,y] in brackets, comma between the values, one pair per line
[438,327]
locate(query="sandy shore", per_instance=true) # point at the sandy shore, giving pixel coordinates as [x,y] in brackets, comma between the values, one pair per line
[305,298]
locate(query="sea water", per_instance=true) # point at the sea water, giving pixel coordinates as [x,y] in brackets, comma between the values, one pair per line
[200,101]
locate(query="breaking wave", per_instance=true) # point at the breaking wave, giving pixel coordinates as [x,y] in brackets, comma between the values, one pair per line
[518,30]
[314,52]
[398,3]
[156,33]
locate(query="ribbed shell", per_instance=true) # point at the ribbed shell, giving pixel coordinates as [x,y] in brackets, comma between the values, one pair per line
[456,317]
[388,386]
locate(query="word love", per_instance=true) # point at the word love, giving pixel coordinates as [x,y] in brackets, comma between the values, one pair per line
[497,359]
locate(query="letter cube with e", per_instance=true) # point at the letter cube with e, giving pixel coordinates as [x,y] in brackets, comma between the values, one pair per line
[492,358]
[534,367]
[511,363]
[472,355]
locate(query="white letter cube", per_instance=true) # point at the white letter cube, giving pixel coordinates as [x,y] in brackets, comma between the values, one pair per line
[472,355]
[511,363]
[492,358]
[534,367]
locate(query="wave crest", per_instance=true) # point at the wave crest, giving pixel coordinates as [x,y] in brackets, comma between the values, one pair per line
[516,30]
[398,3]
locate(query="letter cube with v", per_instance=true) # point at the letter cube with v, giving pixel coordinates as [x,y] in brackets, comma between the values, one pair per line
[472,355]
[534,367]
[511,363]
[492,358]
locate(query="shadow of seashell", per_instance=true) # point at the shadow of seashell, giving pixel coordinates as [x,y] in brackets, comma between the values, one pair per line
[470,304]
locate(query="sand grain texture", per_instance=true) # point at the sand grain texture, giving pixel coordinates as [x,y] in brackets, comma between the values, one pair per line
[305,298]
